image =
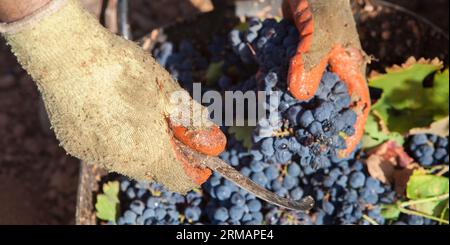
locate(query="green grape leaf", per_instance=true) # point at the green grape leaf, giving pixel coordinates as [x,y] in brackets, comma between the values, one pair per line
[406,103]
[438,94]
[111,189]
[242,26]
[375,135]
[390,211]
[107,203]
[213,72]
[444,214]
[243,134]
[421,186]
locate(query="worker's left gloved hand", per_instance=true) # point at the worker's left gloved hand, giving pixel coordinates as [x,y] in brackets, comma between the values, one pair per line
[109,101]
[328,36]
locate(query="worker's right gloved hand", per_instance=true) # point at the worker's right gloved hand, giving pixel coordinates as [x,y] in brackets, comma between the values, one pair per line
[108,100]
[328,36]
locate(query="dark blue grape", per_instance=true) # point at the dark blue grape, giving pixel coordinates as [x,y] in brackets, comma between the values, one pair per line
[237,199]
[192,213]
[357,179]
[259,178]
[306,118]
[237,212]
[296,193]
[129,217]
[221,214]
[137,206]
[254,205]
[294,170]
[267,147]
[323,112]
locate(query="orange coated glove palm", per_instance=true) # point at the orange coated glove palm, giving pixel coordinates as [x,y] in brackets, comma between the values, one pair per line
[328,36]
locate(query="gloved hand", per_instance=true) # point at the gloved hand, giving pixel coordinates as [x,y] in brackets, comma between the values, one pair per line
[328,36]
[109,102]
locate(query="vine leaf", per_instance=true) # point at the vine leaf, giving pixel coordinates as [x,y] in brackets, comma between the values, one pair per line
[444,214]
[107,203]
[242,26]
[406,102]
[422,185]
[376,133]
[390,211]
[244,134]
[213,73]
[438,94]
[389,163]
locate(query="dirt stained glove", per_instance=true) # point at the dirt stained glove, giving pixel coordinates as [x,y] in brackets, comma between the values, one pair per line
[109,102]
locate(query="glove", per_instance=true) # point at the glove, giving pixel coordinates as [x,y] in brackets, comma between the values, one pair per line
[328,37]
[109,102]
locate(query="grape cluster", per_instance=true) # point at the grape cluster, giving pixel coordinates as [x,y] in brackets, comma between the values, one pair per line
[241,40]
[343,192]
[428,149]
[294,152]
[317,126]
[231,205]
[151,204]
[300,137]
[182,64]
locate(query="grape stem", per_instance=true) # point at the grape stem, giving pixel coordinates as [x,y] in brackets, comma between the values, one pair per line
[443,171]
[425,200]
[441,168]
[370,220]
[402,207]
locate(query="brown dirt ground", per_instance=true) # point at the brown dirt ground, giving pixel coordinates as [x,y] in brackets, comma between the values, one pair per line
[38,181]
[435,10]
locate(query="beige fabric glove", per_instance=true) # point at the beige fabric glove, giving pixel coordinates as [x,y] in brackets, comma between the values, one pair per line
[108,100]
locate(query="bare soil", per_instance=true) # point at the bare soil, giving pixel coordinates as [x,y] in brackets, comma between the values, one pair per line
[38,181]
